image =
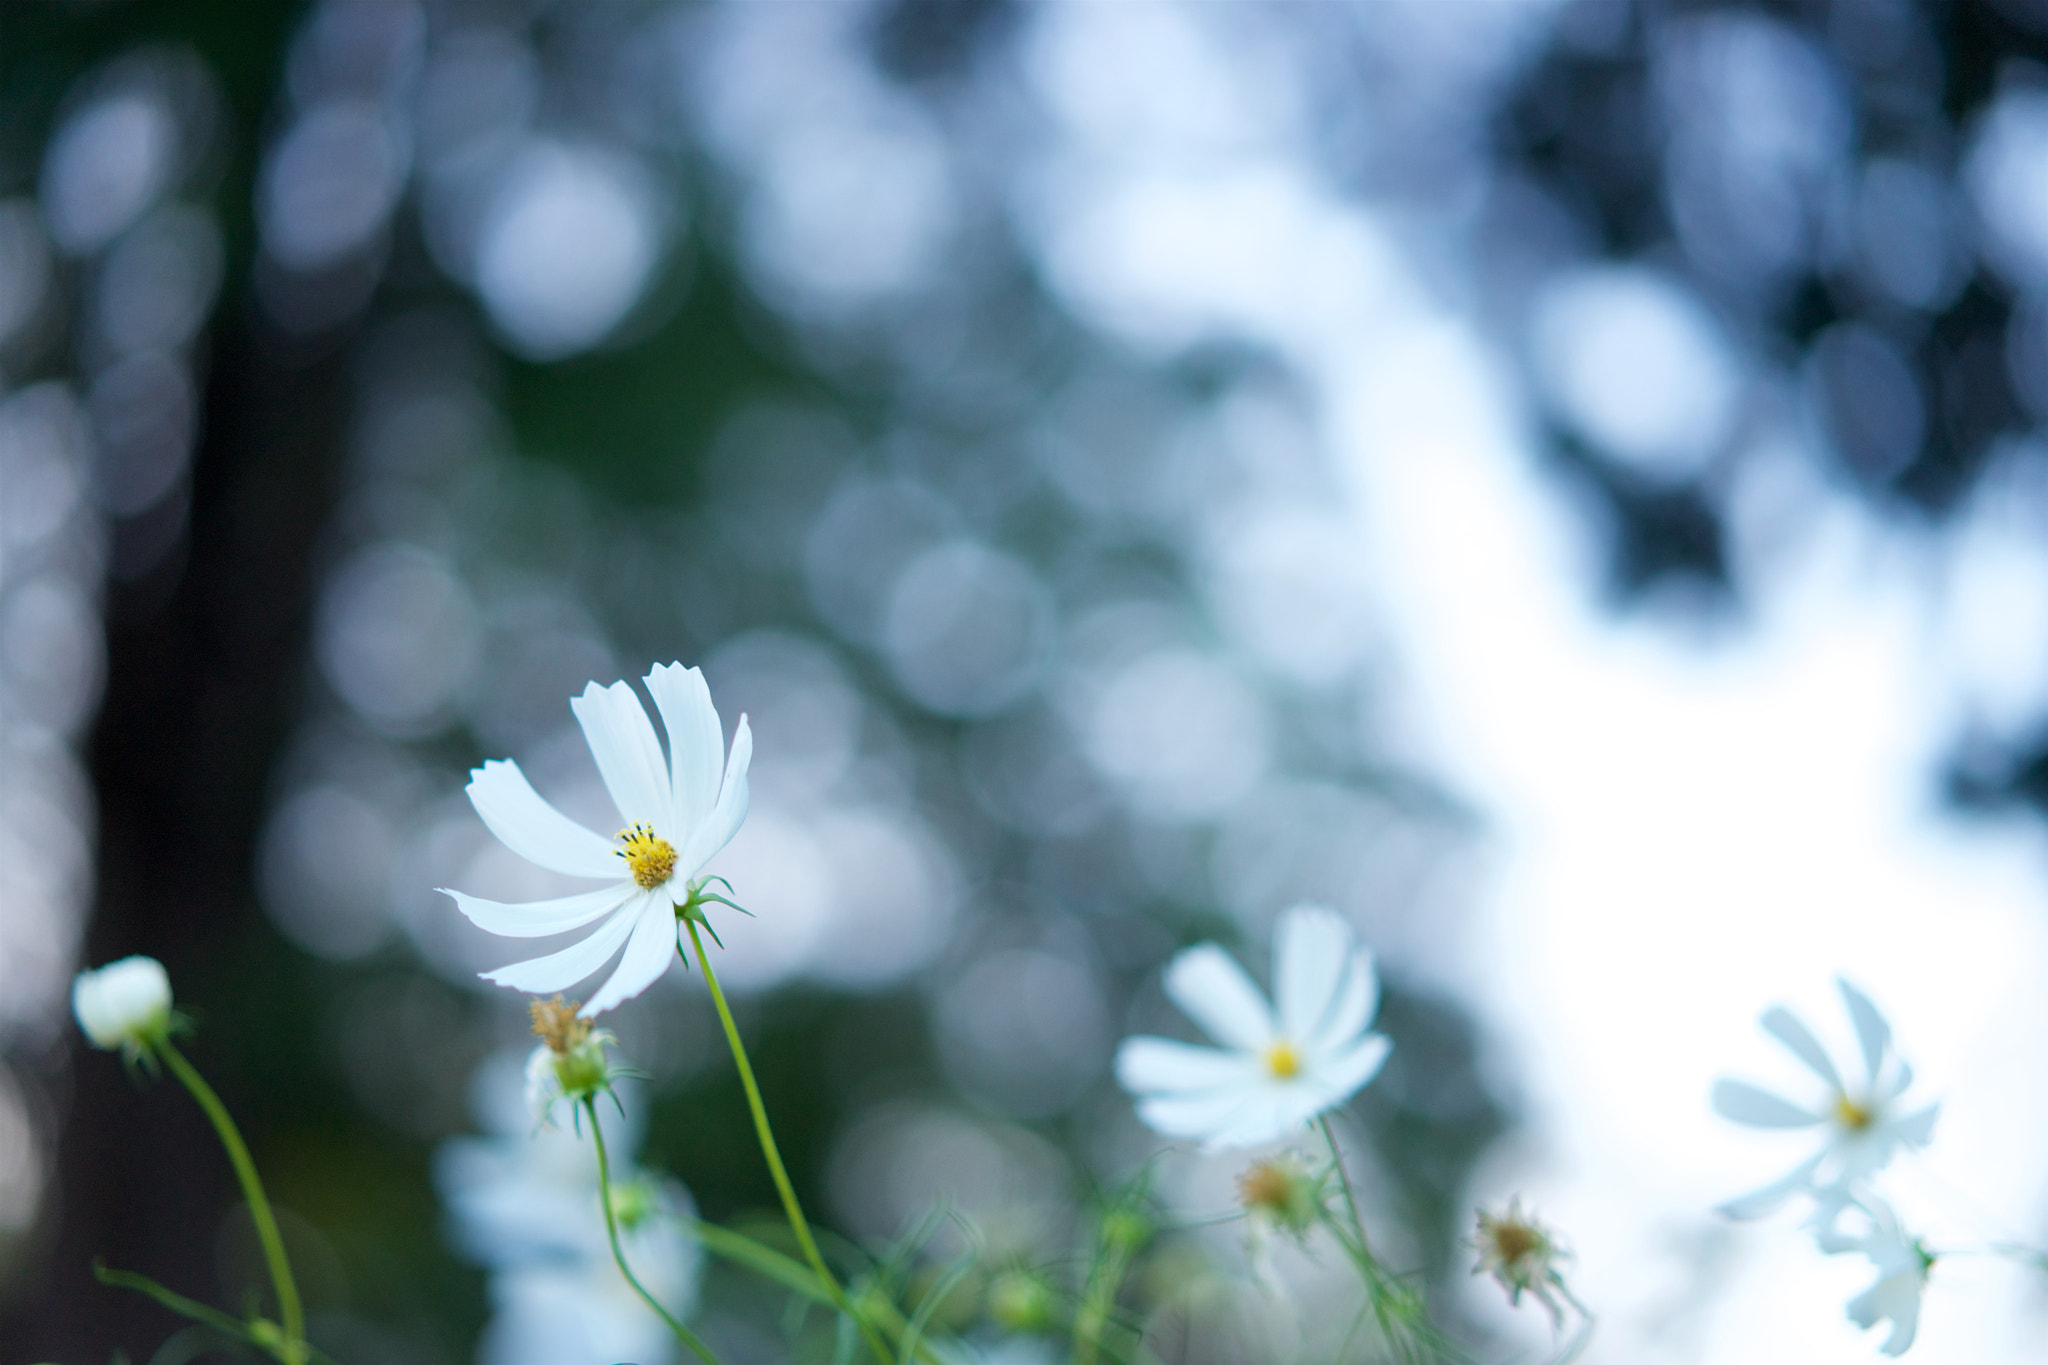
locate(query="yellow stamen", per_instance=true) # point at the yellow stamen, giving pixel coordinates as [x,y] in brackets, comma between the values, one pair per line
[651,857]
[1282,1060]
[1851,1115]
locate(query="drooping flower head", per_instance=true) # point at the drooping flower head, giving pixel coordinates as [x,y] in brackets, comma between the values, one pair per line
[675,812]
[1275,1070]
[1863,1123]
[125,1004]
[1902,1263]
[1521,1255]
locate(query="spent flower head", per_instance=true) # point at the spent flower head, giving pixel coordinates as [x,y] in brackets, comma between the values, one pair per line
[1521,1255]
[1283,1193]
[125,1005]
[677,812]
[1276,1070]
[569,1064]
[1863,1123]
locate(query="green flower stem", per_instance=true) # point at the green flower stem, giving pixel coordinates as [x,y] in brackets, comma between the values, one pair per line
[611,1228]
[289,1308]
[1344,1183]
[792,1275]
[1098,1303]
[797,1225]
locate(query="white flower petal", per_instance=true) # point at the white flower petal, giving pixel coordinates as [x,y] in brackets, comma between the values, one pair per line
[1900,1082]
[1758,1203]
[1160,1064]
[1191,1116]
[559,971]
[1788,1029]
[696,741]
[645,959]
[1358,997]
[1312,955]
[1873,1034]
[1745,1103]
[1916,1130]
[538,919]
[1338,1079]
[1267,1115]
[628,755]
[536,831]
[1214,991]
[730,812]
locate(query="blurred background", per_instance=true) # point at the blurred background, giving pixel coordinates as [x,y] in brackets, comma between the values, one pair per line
[1561,482]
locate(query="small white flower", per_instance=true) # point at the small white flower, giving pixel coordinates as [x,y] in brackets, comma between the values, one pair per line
[1902,1266]
[125,1004]
[1272,1075]
[1864,1127]
[677,814]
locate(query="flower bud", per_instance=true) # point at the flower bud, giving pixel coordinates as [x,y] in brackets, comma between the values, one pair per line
[1020,1301]
[1125,1231]
[633,1201]
[125,1004]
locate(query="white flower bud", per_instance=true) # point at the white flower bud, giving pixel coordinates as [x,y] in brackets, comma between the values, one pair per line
[123,1004]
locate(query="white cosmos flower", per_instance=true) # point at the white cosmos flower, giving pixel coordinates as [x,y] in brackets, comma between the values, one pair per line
[1902,1264]
[676,812]
[1863,1124]
[1274,1072]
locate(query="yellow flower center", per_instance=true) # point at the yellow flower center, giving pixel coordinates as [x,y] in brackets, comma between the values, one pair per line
[651,857]
[1851,1115]
[1282,1060]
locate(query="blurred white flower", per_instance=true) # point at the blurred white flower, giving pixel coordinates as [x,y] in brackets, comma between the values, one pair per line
[678,813]
[1864,1127]
[1271,1075]
[1902,1264]
[528,1210]
[125,1004]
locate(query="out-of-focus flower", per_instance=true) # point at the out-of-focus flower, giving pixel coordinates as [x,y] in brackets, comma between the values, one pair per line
[528,1210]
[1902,1265]
[1864,1125]
[569,1064]
[125,1004]
[678,813]
[1272,1074]
[1522,1257]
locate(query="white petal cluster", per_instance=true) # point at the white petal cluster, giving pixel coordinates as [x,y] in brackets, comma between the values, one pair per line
[676,813]
[125,1004]
[1902,1265]
[527,1209]
[1276,1069]
[1863,1125]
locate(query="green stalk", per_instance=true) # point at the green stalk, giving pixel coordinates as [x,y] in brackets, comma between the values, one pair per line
[288,1305]
[794,1210]
[611,1228]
